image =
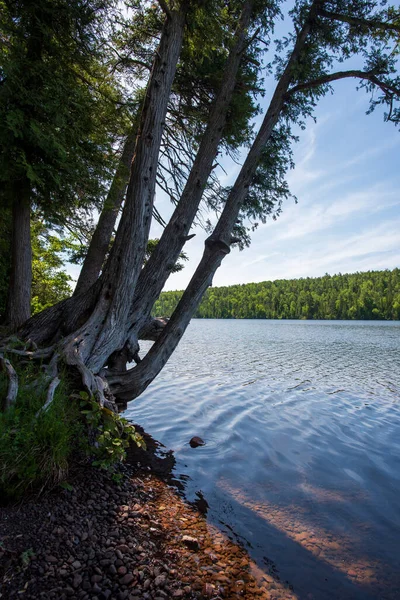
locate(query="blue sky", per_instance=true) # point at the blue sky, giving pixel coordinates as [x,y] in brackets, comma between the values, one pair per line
[347,181]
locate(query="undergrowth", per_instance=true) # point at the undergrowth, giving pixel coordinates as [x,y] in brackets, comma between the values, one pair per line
[37,447]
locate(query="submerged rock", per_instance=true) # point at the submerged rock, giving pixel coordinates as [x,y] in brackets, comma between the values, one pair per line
[191,542]
[196,441]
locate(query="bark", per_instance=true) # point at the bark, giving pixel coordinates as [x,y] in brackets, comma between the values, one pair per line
[129,385]
[105,330]
[50,325]
[100,242]
[19,293]
[160,264]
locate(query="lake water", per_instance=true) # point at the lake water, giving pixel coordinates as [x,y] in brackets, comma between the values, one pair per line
[302,459]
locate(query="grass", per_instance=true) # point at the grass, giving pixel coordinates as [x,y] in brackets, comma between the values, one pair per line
[35,449]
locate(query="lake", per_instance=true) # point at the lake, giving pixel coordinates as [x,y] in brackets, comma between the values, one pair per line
[301,465]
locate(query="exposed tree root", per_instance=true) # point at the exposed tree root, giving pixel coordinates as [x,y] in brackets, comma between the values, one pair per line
[96,386]
[40,354]
[12,382]
[50,396]
[68,353]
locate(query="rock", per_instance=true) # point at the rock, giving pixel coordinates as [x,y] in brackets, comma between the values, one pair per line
[160,580]
[196,441]
[191,542]
[127,579]
[208,590]
[147,584]
[77,581]
[51,559]
[68,591]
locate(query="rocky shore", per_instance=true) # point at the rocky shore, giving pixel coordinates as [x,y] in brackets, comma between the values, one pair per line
[136,540]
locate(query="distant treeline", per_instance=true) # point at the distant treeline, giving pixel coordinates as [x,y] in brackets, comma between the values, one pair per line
[370,295]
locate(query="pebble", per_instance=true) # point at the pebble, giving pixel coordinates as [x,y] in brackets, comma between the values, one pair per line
[155,555]
[127,579]
[160,581]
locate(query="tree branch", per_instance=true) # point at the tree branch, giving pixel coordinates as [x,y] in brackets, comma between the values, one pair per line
[371,24]
[164,7]
[368,75]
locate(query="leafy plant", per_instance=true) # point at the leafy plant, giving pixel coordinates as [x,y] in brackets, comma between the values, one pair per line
[26,556]
[111,434]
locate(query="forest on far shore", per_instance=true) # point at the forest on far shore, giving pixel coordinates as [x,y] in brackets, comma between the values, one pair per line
[370,295]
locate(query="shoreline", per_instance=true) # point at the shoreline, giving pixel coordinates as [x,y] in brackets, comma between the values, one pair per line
[137,540]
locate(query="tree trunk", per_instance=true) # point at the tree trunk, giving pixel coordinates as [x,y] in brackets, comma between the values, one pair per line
[160,264]
[106,329]
[129,385]
[19,293]
[100,242]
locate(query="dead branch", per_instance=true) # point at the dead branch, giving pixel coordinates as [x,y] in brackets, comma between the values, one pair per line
[153,328]
[370,24]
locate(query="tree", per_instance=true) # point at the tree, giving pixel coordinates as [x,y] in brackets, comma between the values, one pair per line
[55,143]
[96,333]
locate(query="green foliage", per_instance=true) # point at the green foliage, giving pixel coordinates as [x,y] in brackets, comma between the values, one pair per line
[26,556]
[111,434]
[35,447]
[370,295]
[56,123]
[50,282]
[151,245]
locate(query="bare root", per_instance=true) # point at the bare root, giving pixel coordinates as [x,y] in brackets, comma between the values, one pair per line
[12,382]
[50,396]
[40,354]
[95,385]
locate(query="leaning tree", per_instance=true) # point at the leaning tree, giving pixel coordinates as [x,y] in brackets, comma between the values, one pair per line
[96,332]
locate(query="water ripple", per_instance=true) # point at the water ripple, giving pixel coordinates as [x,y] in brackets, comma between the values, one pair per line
[302,456]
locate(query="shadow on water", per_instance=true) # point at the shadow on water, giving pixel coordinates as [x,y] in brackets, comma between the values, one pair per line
[318,565]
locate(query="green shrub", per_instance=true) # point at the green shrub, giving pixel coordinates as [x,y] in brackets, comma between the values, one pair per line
[36,447]
[110,433]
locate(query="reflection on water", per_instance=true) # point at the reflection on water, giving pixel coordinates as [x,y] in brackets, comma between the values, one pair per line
[301,421]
